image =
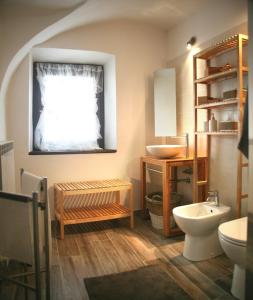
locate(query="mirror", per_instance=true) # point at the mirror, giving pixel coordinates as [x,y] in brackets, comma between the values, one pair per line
[165,102]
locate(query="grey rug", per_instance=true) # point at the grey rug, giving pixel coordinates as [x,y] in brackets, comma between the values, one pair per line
[146,283]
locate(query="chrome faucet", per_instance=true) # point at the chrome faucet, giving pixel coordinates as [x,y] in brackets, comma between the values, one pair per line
[213,196]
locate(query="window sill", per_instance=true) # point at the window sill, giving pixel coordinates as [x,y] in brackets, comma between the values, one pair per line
[34,152]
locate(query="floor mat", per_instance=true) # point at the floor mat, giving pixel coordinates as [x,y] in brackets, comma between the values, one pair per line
[149,282]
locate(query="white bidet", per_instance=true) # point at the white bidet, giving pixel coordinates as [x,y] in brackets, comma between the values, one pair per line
[200,223]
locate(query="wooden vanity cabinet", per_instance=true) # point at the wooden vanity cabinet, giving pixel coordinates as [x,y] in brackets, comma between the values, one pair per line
[168,169]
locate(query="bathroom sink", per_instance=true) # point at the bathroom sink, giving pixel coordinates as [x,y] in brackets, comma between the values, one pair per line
[164,151]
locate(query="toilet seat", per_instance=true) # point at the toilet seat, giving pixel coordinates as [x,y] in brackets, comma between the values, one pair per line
[234,232]
[231,241]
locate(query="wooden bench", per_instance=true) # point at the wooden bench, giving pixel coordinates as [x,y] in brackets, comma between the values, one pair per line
[92,212]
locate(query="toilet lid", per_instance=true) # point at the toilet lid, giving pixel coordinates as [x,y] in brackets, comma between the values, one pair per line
[235,231]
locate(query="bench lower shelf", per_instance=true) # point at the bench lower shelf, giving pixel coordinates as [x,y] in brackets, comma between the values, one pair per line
[94,213]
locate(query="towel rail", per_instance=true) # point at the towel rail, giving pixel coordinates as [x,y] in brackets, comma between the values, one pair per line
[16,197]
[186,180]
[37,204]
[34,200]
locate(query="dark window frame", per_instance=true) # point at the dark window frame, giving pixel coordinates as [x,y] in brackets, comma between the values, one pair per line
[37,107]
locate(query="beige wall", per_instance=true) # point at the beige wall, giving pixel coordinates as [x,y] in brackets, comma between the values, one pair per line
[139,50]
[202,26]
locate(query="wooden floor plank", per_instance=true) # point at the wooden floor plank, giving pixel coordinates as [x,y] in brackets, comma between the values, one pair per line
[138,242]
[68,247]
[90,260]
[73,286]
[56,283]
[128,255]
[185,283]
[108,258]
[200,279]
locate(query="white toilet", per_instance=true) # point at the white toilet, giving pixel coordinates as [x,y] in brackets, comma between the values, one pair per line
[200,223]
[233,239]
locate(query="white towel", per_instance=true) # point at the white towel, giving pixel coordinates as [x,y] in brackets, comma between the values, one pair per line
[30,183]
[16,239]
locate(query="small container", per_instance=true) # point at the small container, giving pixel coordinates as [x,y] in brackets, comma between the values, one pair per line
[207,100]
[155,207]
[212,124]
[230,94]
[212,70]
[206,126]
[228,125]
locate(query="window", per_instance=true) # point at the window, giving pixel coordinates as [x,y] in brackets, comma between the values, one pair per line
[68,107]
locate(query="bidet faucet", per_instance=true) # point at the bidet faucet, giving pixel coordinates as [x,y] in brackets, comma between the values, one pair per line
[213,196]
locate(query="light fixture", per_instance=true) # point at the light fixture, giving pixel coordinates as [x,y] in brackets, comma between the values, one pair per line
[191,42]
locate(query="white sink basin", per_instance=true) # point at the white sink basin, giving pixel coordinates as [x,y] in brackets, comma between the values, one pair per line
[164,151]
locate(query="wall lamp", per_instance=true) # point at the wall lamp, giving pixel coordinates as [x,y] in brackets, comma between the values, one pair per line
[191,42]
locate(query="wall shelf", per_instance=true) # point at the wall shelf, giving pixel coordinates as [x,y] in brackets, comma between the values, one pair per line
[217,76]
[223,133]
[219,104]
[220,76]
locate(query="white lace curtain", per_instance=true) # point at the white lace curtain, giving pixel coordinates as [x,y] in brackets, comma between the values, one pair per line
[68,119]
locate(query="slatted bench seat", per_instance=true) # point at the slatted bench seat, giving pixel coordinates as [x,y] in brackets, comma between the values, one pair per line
[92,211]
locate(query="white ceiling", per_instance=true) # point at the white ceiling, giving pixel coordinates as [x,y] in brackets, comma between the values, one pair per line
[163,13]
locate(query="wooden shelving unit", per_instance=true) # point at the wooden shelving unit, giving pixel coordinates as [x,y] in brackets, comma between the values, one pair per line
[73,191]
[236,42]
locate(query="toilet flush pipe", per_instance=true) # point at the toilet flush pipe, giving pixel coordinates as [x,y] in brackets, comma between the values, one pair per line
[187,145]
